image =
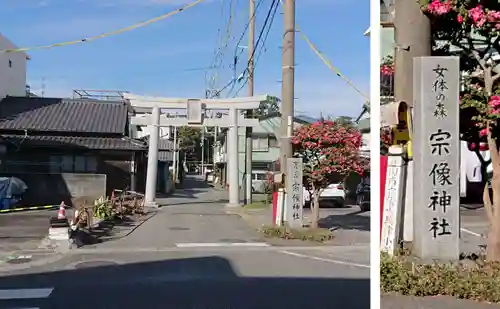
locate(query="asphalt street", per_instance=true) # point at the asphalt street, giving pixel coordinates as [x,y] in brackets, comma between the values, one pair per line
[192,254]
[191,278]
[473,229]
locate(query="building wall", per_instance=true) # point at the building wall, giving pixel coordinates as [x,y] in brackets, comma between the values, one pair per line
[12,71]
[387,44]
[267,127]
[114,166]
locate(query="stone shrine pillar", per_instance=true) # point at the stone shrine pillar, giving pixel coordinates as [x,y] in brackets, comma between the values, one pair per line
[436,156]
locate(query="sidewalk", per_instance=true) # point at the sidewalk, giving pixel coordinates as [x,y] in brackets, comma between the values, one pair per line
[349,226]
[194,214]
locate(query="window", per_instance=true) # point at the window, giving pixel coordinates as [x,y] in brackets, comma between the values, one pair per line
[72,164]
[260,144]
[261,177]
[273,142]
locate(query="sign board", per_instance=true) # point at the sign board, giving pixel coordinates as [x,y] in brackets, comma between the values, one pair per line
[393,204]
[436,183]
[194,111]
[294,192]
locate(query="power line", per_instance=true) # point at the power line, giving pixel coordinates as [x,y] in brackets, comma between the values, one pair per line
[235,57]
[329,64]
[219,51]
[235,78]
[106,34]
[269,19]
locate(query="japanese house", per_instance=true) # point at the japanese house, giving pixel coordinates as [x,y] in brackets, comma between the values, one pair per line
[68,148]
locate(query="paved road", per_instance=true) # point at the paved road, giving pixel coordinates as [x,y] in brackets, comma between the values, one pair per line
[474,226]
[192,254]
[192,278]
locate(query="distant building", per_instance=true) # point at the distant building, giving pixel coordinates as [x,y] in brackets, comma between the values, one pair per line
[12,70]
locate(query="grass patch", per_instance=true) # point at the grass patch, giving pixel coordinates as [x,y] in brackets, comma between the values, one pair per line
[306,234]
[475,280]
[257,205]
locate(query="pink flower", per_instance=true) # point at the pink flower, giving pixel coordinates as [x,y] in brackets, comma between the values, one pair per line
[460,19]
[436,7]
[483,132]
[483,147]
[494,18]
[386,70]
[494,101]
[478,16]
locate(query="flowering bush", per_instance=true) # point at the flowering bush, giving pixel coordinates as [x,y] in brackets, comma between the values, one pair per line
[387,77]
[387,66]
[330,152]
[386,138]
[471,30]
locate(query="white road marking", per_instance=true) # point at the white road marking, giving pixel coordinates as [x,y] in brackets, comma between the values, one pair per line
[471,232]
[174,248]
[316,258]
[25,293]
[220,244]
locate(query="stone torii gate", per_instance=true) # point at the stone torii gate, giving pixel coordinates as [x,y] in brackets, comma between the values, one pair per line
[198,113]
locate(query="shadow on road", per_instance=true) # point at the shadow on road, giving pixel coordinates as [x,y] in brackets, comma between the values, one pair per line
[201,282]
[190,188]
[348,221]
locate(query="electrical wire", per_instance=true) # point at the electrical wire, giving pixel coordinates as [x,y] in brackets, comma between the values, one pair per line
[330,66]
[235,77]
[236,56]
[269,19]
[219,51]
[327,62]
[106,34]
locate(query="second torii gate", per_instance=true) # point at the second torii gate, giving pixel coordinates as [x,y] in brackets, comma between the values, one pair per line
[196,115]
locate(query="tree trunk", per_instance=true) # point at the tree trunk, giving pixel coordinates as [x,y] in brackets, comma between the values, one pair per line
[493,242]
[315,210]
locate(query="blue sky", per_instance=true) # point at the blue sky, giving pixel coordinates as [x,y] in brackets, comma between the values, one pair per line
[167,58]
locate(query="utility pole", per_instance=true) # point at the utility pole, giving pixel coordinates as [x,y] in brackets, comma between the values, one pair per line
[202,144]
[174,163]
[287,88]
[248,142]
[412,35]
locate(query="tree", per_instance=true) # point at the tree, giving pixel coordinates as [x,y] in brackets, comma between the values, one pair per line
[330,152]
[189,137]
[271,106]
[471,30]
[344,121]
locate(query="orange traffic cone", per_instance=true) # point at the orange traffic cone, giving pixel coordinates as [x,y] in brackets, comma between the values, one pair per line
[61,213]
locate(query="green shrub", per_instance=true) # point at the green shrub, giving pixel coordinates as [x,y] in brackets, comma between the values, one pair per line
[306,234]
[476,280]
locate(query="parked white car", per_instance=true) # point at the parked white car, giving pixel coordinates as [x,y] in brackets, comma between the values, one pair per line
[334,194]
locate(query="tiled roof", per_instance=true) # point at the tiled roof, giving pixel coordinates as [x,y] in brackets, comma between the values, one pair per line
[63,115]
[163,143]
[98,143]
[165,147]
